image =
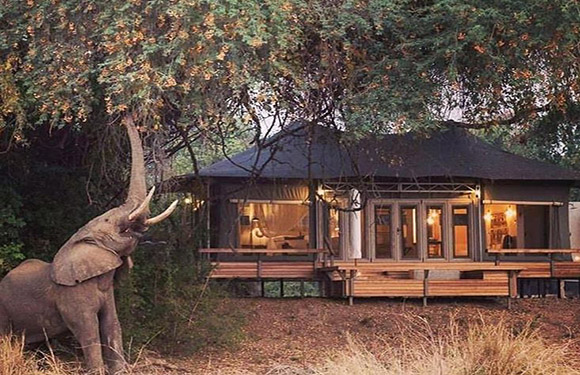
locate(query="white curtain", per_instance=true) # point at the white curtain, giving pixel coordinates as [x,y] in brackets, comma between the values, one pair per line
[355,251]
[281,219]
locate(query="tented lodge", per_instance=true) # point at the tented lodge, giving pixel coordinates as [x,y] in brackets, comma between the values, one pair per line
[413,215]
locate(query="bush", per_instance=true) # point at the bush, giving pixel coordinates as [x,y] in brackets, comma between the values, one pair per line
[11,223]
[168,301]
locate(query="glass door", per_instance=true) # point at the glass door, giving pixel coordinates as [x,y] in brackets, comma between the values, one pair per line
[409,232]
[434,222]
[383,232]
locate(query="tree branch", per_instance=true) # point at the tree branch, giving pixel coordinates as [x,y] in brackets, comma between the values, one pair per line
[517,117]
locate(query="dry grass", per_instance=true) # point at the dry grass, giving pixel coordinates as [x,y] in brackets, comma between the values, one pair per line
[14,360]
[478,349]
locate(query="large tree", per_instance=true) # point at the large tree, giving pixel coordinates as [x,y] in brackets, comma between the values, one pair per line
[223,63]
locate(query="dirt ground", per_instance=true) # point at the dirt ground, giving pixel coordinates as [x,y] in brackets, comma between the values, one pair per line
[305,331]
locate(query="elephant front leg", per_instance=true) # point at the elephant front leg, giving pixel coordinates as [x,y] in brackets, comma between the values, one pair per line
[111,336]
[85,328]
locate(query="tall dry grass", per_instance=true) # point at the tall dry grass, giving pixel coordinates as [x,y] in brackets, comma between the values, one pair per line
[14,360]
[478,349]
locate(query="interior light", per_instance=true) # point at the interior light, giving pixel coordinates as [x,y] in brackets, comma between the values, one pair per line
[188,200]
[430,220]
[487,216]
[510,212]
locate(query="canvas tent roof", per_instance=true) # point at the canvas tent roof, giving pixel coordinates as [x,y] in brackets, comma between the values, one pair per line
[329,154]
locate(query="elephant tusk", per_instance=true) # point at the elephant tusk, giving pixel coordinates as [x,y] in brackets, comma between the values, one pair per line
[143,207]
[163,215]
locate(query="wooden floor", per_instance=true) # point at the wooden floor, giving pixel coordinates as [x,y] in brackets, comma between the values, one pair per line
[403,279]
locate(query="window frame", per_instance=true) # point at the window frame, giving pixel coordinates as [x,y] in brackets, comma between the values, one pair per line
[392,240]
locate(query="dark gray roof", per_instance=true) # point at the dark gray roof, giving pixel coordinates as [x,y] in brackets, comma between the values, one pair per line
[332,154]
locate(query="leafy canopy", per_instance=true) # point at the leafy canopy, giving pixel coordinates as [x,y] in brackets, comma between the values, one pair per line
[373,63]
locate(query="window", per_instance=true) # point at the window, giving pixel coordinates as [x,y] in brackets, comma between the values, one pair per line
[383,232]
[434,221]
[460,226]
[510,226]
[409,244]
[274,226]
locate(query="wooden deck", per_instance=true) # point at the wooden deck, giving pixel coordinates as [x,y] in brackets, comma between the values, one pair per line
[395,279]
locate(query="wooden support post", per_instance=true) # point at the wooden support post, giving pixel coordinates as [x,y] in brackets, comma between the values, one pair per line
[512,284]
[281,288]
[262,288]
[497,259]
[425,287]
[351,287]
[512,288]
[552,265]
[561,288]
[259,266]
[301,288]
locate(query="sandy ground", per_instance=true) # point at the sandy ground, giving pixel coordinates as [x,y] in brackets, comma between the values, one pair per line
[300,332]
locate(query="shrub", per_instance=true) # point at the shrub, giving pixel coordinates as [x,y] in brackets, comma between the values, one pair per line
[169,303]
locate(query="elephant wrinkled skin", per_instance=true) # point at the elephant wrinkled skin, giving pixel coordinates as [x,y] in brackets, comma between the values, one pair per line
[75,292]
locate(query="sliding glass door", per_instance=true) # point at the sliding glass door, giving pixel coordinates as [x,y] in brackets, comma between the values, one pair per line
[429,230]
[408,231]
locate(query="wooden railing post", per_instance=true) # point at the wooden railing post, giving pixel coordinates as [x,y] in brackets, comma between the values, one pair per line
[425,287]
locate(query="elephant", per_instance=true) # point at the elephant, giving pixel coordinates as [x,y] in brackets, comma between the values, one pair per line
[76,291]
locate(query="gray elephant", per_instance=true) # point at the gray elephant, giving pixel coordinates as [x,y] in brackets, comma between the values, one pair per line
[75,292]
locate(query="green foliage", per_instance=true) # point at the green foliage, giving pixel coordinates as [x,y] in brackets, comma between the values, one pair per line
[376,65]
[167,301]
[11,224]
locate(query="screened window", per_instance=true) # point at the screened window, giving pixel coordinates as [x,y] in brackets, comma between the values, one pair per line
[434,221]
[383,232]
[460,224]
[274,226]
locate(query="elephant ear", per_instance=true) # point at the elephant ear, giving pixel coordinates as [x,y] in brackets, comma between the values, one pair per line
[80,260]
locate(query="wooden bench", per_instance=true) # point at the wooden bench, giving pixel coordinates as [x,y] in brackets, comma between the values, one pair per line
[260,269]
[475,279]
[233,251]
[557,269]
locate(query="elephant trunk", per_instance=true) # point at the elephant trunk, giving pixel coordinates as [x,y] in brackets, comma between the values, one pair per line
[137,186]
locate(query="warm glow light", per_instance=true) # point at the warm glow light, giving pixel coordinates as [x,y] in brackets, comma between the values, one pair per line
[487,216]
[510,213]
[430,220]
[188,200]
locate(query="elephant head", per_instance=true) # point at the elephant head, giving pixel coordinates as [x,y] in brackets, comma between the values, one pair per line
[105,242]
